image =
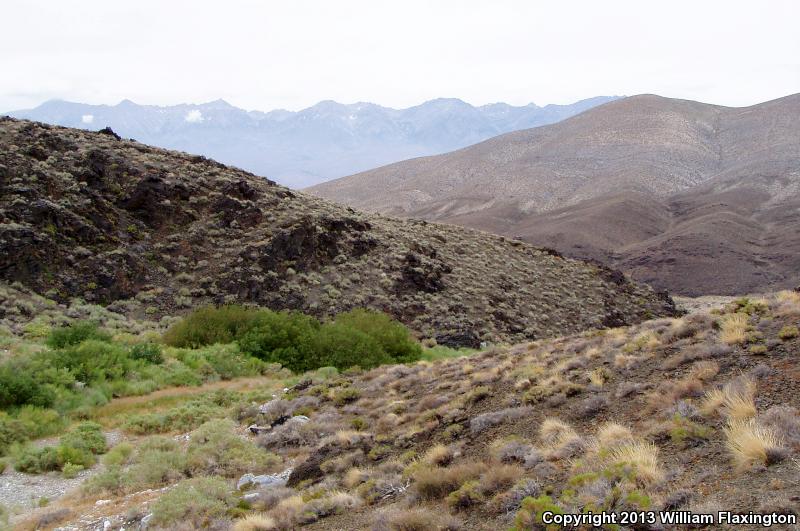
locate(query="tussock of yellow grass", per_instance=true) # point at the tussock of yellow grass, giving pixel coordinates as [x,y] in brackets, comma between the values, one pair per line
[642,456]
[733,329]
[750,443]
[438,455]
[255,522]
[612,434]
[736,400]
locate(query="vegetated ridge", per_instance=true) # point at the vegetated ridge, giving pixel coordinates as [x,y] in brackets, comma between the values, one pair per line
[689,197]
[152,232]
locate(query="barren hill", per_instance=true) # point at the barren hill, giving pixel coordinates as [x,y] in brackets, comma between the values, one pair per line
[691,197]
[150,231]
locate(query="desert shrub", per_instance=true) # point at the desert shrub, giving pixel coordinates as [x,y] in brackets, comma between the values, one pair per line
[492,418]
[392,336]
[788,332]
[86,436]
[299,342]
[216,449]
[210,325]
[22,382]
[34,460]
[194,501]
[229,362]
[158,461]
[29,422]
[530,512]
[71,470]
[75,333]
[432,483]
[465,496]
[93,360]
[118,455]
[341,346]
[147,352]
[182,418]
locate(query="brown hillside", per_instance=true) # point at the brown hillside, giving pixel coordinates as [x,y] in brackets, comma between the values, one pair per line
[149,231]
[661,188]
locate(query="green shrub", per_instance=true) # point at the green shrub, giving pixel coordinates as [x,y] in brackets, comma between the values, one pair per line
[297,341]
[788,332]
[392,336]
[342,346]
[216,449]
[94,360]
[20,384]
[71,471]
[12,432]
[194,501]
[118,455]
[530,513]
[75,333]
[86,436]
[109,481]
[209,325]
[182,418]
[147,352]
[32,460]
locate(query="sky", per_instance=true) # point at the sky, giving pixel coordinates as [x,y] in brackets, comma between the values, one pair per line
[291,54]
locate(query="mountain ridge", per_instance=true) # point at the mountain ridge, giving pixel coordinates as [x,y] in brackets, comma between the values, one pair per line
[560,186]
[300,148]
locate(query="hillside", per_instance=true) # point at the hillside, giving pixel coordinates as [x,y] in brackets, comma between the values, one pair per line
[302,148]
[151,232]
[698,413]
[643,183]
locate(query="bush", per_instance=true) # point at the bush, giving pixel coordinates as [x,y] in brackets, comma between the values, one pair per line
[297,341]
[94,360]
[216,449]
[147,352]
[86,436]
[209,325]
[283,337]
[340,346]
[21,385]
[194,501]
[74,334]
[71,471]
[393,337]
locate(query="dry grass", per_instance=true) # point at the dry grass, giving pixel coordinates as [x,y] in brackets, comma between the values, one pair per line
[643,456]
[736,400]
[435,482]
[750,443]
[733,329]
[415,519]
[255,522]
[612,434]
[438,455]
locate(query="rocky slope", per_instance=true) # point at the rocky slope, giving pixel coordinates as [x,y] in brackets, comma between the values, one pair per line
[690,197]
[152,232]
[693,414]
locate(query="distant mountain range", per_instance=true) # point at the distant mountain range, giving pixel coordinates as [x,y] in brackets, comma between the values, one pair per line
[313,145]
[691,197]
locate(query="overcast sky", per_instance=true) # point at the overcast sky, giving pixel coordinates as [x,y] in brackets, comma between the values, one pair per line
[294,53]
